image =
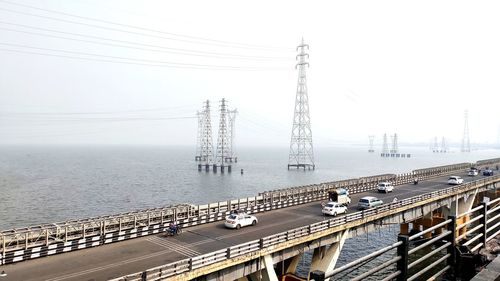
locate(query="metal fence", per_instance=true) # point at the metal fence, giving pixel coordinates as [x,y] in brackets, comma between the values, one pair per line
[49,239]
[185,265]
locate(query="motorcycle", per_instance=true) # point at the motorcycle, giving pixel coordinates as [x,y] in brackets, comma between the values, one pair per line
[415,181]
[173,230]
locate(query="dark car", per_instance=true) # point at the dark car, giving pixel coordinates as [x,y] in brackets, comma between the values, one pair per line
[488,173]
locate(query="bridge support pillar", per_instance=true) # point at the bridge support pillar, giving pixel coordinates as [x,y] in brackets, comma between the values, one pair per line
[289,265]
[325,259]
[267,273]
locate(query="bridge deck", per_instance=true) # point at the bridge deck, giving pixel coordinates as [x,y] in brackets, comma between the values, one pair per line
[118,259]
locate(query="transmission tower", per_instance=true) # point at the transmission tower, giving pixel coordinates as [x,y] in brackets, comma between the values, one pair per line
[199,136]
[231,117]
[395,148]
[385,147]
[301,146]
[444,147]
[465,139]
[223,140]
[435,147]
[206,138]
[370,139]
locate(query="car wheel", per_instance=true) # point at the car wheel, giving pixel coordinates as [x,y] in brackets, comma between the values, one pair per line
[238,226]
[254,222]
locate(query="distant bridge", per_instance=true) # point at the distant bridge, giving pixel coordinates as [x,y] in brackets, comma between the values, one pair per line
[291,223]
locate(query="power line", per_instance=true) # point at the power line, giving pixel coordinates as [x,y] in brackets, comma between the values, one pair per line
[142,28]
[180,51]
[95,112]
[124,31]
[158,64]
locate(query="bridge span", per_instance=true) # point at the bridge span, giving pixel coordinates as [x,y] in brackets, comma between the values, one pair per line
[290,221]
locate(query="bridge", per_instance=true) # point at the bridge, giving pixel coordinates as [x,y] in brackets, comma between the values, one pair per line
[131,246]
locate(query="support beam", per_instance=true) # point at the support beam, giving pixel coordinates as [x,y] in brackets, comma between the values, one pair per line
[267,273]
[325,259]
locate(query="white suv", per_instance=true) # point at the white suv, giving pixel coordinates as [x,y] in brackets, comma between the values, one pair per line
[334,208]
[385,187]
[455,180]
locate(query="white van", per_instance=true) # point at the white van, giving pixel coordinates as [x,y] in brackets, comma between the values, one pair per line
[385,187]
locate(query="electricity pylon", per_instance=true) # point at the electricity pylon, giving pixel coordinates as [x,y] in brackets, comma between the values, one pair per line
[231,117]
[206,139]
[370,139]
[385,147]
[222,140]
[199,137]
[301,146]
[465,139]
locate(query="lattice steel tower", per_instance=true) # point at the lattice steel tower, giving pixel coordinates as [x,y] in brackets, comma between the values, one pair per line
[465,139]
[395,148]
[385,147]
[206,140]
[223,139]
[231,118]
[301,146]
[199,136]
[370,139]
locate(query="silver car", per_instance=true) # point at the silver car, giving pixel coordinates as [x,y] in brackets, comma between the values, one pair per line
[369,202]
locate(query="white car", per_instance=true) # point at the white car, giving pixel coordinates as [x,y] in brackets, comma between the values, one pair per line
[473,172]
[385,187]
[334,208]
[455,180]
[240,220]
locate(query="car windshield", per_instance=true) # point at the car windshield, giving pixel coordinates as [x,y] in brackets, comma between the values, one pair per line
[233,217]
[452,178]
[381,184]
[364,201]
[330,205]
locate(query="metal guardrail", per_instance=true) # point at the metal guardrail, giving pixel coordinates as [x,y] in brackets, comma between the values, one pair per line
[179,267]
[48,239]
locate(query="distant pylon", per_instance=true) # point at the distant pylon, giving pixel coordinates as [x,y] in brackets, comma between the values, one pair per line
[465,139]
[222,140]
[206,140]
[435,147]
[199,137]
[385,147]
[444,147]
[370,139]
[394,149]
[301,145]
[231,117]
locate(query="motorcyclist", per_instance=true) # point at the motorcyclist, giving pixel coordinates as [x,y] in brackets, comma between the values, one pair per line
[172,228]
[415,181]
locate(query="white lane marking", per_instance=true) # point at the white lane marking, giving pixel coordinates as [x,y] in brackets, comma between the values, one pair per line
[179,248]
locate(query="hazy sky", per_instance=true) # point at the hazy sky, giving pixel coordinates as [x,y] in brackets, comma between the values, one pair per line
[136,72]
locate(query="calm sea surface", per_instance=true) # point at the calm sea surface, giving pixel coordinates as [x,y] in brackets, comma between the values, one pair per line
[49,184]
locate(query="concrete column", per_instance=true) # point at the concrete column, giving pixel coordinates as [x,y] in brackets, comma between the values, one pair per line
[265,274]
[325,259]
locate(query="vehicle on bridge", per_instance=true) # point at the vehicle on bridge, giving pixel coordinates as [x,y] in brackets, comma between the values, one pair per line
[238,220]
[473,172]
[340,196]
[334,208]
[385,187]
[173,229]
[455,180]
[369,202]
[488,172]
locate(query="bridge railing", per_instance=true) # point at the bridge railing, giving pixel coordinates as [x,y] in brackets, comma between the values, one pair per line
[38,241]
[307,230]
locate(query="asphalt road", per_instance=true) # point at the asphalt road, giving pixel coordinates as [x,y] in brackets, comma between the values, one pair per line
[126,257]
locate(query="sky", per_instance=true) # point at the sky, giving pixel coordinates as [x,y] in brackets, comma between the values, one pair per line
[136,72]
